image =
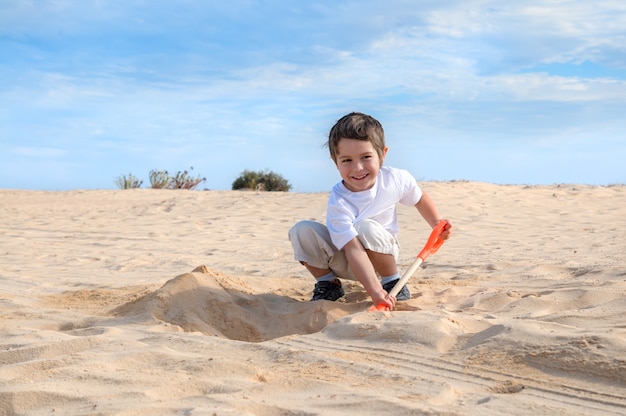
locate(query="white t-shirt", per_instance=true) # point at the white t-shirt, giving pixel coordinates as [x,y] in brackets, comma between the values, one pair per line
[345,207]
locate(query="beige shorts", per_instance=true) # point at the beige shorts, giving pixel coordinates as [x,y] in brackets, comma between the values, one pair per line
[312,244]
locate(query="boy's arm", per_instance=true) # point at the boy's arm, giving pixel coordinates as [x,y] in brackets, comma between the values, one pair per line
[363,269]
[428,210]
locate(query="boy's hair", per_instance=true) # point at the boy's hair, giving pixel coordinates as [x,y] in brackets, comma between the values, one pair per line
[357,126]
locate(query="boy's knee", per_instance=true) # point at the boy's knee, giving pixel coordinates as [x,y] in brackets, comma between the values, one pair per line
[301,228]
[375,238]
[368,228]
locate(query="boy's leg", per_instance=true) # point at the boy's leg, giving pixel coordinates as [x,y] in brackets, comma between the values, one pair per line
[384,264]
[317,273]
[313,248]
[383,250]
[381,246]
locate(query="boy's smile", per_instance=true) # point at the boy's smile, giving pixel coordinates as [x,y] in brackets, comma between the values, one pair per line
[358,163]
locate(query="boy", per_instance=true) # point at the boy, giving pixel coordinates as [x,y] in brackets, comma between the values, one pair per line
[359,240]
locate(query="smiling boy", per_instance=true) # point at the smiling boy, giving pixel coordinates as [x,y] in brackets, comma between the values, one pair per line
[359,240]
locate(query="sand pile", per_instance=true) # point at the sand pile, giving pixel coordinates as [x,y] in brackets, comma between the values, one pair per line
[214,304]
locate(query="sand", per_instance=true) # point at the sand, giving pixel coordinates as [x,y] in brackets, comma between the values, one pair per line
[156,302]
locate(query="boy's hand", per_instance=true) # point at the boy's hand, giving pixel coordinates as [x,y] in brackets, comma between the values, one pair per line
[382,298]
[447,231]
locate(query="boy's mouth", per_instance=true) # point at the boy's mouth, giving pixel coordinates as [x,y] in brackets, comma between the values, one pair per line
[359,178]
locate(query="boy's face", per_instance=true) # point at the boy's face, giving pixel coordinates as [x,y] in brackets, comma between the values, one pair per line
[358,163]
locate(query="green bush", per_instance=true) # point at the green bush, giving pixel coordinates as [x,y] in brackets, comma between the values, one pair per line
[261,181]
[182,180]
[247,180]
[161,179]
[128,182]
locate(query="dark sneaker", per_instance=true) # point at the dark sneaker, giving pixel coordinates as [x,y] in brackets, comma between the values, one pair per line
[328,290]
[403,294]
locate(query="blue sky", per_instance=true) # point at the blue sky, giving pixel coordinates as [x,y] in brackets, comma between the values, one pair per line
[529,92]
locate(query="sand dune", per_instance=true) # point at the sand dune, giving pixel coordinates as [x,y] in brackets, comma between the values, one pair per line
[218,305]
[151,302]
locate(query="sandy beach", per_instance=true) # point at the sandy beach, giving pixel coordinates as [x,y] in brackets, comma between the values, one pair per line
[161,302]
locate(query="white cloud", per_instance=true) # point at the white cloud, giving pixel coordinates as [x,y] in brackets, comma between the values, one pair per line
[543,87]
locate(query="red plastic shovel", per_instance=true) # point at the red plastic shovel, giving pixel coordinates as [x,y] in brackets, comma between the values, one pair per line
[431,247]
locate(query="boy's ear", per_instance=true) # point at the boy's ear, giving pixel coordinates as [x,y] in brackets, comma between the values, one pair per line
[382,159]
